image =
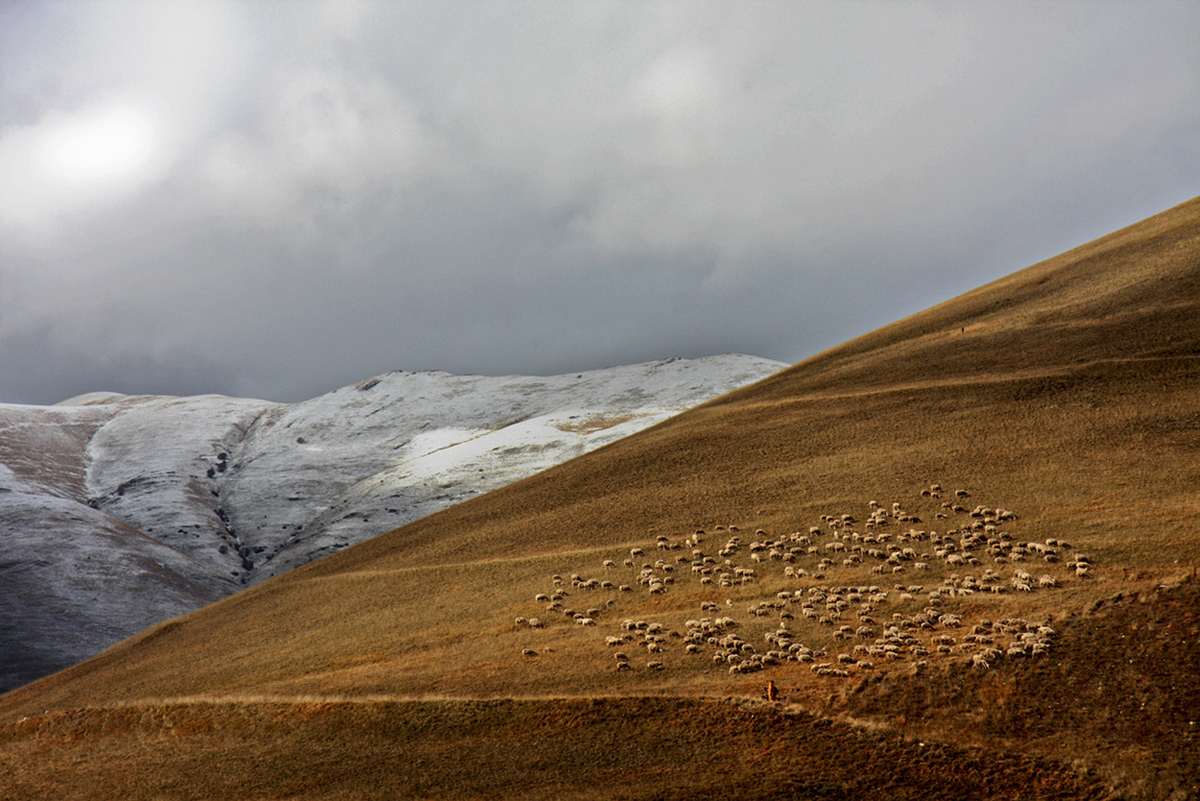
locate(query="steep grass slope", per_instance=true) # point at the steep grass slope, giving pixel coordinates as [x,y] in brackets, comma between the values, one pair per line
[921,532]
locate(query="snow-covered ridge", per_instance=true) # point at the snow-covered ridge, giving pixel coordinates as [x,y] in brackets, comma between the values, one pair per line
[125,510]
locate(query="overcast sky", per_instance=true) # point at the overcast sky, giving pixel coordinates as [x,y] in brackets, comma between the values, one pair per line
[275,200]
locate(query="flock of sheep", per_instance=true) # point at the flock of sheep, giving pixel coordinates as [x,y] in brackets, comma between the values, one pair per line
[817,597]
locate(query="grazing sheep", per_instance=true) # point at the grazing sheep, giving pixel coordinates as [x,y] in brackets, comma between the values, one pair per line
[528,652]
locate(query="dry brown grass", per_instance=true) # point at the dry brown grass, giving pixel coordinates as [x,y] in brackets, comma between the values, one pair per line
[572,749]
[590,424]
[1066,392]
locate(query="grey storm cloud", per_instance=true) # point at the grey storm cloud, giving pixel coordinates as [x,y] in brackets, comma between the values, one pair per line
[276,199]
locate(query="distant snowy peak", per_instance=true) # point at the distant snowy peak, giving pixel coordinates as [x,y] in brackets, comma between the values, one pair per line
[375,455]
[93,399]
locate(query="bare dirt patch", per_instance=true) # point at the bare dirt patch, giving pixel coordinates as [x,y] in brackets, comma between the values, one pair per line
[590,424]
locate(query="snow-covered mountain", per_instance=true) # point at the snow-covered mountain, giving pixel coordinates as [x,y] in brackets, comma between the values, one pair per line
[119,511]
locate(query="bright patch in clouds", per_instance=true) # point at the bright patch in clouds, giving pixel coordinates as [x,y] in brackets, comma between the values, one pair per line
[81,161]
[679,83]
[101,145]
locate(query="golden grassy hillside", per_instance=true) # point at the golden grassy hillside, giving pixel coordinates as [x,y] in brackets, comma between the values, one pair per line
[963,546]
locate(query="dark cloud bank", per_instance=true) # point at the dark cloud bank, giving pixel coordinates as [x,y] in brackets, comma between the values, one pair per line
[273,200]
